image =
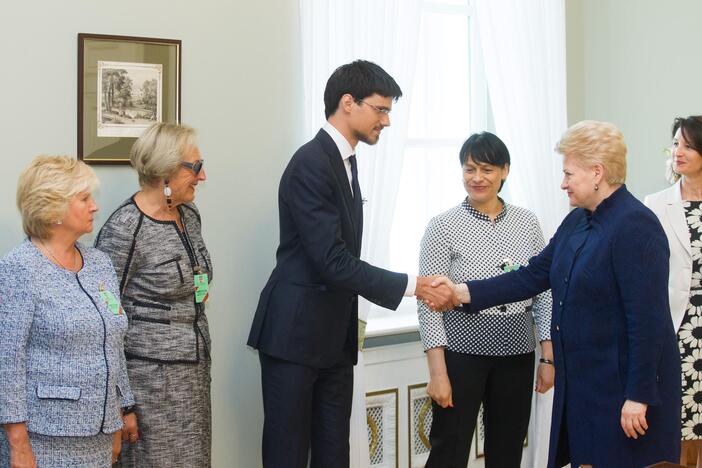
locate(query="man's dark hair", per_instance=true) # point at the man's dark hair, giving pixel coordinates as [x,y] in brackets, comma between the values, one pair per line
[485,148]
[691,129]
[360,79]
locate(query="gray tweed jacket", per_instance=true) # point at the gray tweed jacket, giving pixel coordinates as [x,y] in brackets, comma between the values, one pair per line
[155,262]
[62,364]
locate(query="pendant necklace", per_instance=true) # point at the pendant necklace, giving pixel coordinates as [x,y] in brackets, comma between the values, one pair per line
[56,259]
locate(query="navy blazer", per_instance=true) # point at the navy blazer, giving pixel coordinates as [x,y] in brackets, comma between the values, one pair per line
[613,338]
[308,310]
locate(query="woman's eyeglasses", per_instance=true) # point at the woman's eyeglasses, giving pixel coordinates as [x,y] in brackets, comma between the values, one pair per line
[196,167]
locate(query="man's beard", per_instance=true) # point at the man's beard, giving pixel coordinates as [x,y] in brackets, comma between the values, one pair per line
[367,138]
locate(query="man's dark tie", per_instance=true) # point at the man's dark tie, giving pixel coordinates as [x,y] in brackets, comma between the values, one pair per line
[354,174]
[357,204]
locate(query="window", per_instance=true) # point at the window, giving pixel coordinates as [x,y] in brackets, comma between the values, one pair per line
[449,102]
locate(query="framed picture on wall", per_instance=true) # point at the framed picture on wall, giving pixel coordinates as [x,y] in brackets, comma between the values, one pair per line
[125,84]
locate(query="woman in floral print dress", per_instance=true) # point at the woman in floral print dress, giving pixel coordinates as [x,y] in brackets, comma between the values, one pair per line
[679,209]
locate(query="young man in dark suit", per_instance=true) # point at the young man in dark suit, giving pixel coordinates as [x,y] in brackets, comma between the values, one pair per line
[306,323]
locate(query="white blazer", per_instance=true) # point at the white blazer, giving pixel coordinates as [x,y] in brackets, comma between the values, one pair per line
[668,206]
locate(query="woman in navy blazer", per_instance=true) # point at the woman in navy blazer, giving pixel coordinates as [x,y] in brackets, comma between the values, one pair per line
[617,387]
[63,375]
[679,209]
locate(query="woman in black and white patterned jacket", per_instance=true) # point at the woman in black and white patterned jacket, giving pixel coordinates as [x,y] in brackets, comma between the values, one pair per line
[154,240]
[487,357]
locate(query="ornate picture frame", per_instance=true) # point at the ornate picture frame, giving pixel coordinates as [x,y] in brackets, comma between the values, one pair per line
[125,84]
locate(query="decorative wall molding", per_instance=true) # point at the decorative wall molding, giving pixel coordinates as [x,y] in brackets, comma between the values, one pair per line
[381,417]
[419,424]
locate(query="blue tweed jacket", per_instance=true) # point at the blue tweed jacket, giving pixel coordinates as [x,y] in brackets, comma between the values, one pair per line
[62,366]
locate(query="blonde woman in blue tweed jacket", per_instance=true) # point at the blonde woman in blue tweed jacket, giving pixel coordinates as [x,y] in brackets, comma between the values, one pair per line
[63,379]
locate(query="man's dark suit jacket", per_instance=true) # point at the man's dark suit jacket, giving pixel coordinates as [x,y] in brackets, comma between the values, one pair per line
[308,310]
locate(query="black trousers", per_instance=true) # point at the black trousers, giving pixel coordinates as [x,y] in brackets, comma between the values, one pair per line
[305,408]
[504,384]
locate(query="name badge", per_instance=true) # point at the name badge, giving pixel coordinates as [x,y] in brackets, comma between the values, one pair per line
[111,301]
[202,287]
[508,265]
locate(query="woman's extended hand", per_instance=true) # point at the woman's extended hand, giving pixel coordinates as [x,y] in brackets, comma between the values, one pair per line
[461,295]
[634,418]
[545,375]
[439,389]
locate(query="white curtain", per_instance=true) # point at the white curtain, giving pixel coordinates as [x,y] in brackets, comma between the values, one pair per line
[336,32]
[524,53]
[523,47]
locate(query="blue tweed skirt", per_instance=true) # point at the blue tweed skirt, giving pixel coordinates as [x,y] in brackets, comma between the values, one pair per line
[60,452]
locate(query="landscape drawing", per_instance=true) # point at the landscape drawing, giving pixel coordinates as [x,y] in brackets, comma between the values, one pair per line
[129,98]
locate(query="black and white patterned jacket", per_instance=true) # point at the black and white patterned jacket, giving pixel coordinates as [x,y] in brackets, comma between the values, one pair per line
[463,244]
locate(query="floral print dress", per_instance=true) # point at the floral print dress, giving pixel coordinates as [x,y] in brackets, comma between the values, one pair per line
[690,332]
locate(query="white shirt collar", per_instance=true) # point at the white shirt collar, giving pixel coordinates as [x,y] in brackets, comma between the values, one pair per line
[341,142]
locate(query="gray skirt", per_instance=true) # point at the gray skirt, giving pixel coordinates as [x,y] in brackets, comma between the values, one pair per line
[60,452]
[174,415]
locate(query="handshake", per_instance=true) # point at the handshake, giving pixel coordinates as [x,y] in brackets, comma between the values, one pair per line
[440,293]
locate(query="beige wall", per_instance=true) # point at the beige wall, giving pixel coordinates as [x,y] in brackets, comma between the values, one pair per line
[241,89]
[635,63]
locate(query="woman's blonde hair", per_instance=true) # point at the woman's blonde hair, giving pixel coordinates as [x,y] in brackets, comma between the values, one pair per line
[46,187]
[594,142]
[158,151]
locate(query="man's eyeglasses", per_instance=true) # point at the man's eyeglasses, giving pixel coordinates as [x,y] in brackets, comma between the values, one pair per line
[380,110]
[196,167]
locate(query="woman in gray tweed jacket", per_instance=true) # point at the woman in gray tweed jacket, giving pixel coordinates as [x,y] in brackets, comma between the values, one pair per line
[156,246]
[63,376]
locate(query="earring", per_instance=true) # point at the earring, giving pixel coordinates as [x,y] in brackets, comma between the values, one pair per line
[597,187]
[167,192]
[59,222]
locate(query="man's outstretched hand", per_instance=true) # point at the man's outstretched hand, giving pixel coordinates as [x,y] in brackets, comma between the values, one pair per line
[437,292]
[439,285]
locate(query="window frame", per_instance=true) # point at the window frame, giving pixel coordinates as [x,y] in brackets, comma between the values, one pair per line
[382,322]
